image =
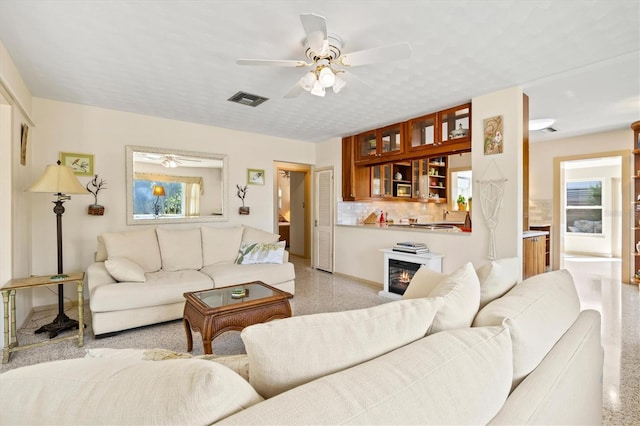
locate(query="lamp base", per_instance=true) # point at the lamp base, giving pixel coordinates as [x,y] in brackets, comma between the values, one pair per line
[60,324]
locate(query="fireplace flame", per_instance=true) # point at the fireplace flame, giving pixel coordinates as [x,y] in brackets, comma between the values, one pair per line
[405,277]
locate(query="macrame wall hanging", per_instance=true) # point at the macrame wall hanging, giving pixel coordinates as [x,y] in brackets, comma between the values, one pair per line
[491,193]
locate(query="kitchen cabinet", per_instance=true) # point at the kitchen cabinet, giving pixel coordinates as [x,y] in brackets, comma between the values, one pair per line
[430,179]
[380,144]
[381,180]
[547,242]
[533,259]
[440,132]
[635,226]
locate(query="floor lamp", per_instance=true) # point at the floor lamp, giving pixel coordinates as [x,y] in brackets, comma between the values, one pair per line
[61,181]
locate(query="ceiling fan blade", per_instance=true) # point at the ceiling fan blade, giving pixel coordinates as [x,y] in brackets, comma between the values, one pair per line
[315,26]
[272,62]
[392,52]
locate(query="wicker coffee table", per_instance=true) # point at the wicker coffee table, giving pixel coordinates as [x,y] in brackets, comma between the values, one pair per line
[212,312]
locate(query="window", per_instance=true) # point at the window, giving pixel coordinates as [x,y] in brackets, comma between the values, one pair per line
[583,206]
[461,184]
[181,199]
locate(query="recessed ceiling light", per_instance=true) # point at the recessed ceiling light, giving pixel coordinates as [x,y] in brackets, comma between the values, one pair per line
[541,123]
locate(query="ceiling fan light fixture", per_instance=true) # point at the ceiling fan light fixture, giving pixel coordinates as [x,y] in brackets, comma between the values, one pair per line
[540,123]
[169,163]
[339,84]
[327,77]
[307,81]
[318,89]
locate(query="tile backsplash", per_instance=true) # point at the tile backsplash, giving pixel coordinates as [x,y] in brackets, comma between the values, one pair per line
[351,213]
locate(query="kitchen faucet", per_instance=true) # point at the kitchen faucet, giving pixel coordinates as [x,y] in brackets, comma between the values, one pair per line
[445,212]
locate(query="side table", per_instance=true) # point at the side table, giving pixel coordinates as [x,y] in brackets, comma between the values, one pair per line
[9,302]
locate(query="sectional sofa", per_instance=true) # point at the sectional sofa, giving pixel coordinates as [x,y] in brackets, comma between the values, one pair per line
[472,347]
[140,277]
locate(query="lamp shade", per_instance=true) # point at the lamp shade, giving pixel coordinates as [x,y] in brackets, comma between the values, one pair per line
[158,191]
[58,179]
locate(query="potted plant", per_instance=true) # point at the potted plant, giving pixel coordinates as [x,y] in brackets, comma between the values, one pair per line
[96,209]
[462,202]
[242,192]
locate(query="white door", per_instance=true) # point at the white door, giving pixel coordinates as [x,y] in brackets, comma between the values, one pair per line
[323,219]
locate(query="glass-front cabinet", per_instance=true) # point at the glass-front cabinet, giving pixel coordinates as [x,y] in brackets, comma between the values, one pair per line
[422,132]
[430,179]
[381,180]
[377,144]
[454,124]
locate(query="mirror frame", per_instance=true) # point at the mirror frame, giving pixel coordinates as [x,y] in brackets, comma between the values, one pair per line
[130,149]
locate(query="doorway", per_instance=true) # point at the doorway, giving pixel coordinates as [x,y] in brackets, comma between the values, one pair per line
[588,208]
[292,212]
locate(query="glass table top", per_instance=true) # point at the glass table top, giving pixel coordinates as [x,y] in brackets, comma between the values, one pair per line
[235,294]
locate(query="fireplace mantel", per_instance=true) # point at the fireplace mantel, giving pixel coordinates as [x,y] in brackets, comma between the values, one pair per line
[429,260]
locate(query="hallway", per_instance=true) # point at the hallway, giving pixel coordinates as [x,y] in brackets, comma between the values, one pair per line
[598,281]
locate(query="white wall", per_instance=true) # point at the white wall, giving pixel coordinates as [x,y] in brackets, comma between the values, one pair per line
[541,155]
[15,214]
[105,133]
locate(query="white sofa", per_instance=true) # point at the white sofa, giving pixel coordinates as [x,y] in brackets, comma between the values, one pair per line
[526,357]
[140,277]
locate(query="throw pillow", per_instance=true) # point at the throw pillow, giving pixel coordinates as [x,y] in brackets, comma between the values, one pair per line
[423,281]
[251,253]
[286,353]
[255,235]
[220,245]
[180,249]
[537,312]
[119,391]
[497,277]
[124,270]
[460,293]
[141,247]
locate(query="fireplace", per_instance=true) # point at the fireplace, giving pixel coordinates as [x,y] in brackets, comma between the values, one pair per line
[400,274]
[400,267]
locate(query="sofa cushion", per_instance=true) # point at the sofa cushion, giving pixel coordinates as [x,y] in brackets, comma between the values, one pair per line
[140,247]
[537,311]
[161,288]
[251,253]
[237,363]
[454,377]
[286,353]
[460,292]
[255,235]
[231,274]
[101,252]
[220,245]
[123,269]
[497,277]
[180,249]
[112,391]
[423,281]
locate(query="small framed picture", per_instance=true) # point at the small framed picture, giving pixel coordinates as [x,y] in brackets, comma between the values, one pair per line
[82,164]
[255,177]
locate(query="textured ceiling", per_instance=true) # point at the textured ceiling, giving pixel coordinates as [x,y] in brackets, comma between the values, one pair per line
[579,61]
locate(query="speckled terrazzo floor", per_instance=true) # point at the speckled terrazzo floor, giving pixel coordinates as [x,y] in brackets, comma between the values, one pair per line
[597,281]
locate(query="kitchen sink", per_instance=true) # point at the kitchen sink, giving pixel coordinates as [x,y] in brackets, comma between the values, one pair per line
[431,226]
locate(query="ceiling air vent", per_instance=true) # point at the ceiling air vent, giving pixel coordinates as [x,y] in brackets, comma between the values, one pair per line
[247,99]
[549,129]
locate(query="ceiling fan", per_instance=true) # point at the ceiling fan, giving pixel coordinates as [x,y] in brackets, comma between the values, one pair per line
[171,161]
[327,60]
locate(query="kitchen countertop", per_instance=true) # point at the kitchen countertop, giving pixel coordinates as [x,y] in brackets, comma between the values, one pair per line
[438,227]
[531,234]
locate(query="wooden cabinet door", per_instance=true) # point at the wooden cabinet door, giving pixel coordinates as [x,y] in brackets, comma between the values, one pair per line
[348,192]
[533,256]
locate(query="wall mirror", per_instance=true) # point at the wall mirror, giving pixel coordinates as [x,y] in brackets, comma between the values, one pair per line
[174,186]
